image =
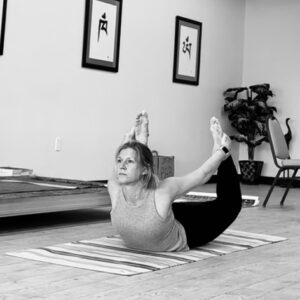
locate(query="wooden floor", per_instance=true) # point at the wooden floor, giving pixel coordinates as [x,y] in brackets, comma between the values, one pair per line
[267,272]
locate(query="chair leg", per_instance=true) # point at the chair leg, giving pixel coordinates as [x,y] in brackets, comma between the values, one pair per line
[272,187]
[288,187]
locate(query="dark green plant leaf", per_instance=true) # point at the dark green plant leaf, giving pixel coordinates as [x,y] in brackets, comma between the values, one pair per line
[249,115]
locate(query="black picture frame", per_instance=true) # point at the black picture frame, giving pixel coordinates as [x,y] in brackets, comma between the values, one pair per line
[187,51]
[102,32]
[3,5]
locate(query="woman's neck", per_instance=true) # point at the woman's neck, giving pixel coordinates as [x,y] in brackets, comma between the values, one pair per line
[134,193]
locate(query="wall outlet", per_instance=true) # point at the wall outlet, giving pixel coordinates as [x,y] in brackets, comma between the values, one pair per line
[57,144]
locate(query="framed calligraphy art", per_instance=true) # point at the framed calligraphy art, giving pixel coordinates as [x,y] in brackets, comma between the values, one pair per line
[102,30]
[3,4]
[187,51]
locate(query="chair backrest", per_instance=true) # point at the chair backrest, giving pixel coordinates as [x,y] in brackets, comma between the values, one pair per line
[277,140]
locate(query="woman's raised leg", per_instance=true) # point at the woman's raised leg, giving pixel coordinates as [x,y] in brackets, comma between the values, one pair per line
[204,221]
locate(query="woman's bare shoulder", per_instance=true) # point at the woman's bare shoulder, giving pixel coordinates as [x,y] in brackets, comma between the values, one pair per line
[166,185]
[163,200]
[163,189]
[113,188]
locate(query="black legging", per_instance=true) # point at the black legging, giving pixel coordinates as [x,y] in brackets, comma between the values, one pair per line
[204,221]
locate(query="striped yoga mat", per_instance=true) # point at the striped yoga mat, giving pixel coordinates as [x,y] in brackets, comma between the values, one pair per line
[108,254]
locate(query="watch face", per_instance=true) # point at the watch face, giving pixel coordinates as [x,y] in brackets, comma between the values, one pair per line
[225,149]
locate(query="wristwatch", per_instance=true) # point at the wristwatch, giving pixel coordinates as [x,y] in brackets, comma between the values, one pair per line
[224,149]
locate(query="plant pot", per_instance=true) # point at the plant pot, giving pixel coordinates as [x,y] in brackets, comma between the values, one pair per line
[250,171]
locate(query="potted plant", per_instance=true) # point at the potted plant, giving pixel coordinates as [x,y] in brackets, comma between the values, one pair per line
[248,111]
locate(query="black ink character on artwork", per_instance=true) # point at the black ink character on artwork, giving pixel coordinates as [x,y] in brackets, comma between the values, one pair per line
[187,47]
[102,25]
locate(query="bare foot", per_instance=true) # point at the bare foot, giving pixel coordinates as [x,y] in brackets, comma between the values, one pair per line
[129,136]
[219,137]
[142,128]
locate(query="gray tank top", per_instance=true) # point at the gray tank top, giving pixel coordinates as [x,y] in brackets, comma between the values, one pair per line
[141,227]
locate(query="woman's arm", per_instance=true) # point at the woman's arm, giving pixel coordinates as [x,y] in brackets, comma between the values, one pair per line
[113,187]
[177,186]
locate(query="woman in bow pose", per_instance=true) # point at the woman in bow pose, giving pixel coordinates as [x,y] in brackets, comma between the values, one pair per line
[143,209]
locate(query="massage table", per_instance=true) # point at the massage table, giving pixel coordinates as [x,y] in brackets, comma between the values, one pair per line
[32,194]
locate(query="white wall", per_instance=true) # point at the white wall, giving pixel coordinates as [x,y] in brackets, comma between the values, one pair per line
[272,55]
[45,93]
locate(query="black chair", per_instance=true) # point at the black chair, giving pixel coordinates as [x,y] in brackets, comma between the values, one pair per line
[281,156]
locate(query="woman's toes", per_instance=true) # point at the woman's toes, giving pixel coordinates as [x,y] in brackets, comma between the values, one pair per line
[141,128]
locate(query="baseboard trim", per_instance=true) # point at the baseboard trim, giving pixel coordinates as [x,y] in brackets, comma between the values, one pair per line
[281,181]
[267,180]
[262,180]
